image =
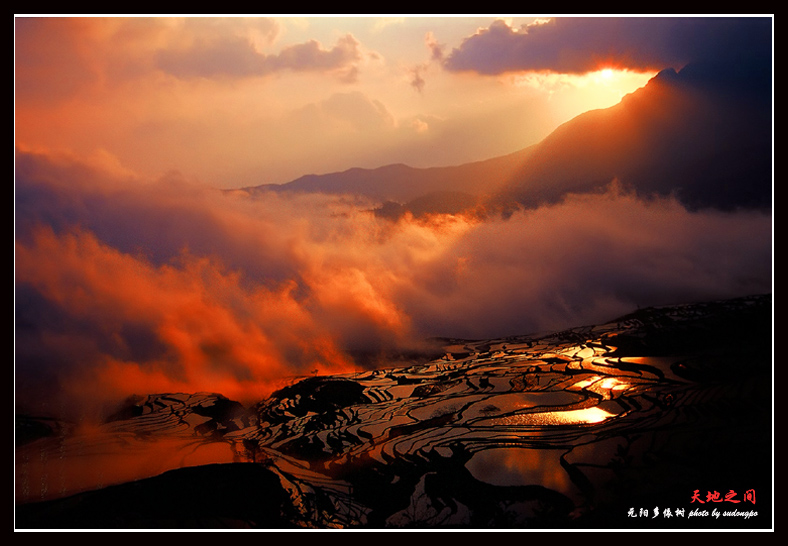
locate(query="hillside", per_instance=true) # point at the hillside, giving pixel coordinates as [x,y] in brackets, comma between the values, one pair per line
[574,429]
[702,134]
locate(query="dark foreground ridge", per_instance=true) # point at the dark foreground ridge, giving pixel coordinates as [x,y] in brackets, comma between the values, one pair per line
[648,421]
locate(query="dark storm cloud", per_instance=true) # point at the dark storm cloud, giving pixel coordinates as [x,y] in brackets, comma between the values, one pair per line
[578,45]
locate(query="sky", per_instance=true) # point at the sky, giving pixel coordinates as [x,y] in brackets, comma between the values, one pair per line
[135,275]
[234,102]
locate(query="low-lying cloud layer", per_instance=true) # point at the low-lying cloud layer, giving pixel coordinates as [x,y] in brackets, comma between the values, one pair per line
[125,286]
[577,45]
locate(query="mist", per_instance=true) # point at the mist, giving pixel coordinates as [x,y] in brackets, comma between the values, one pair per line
[126,286]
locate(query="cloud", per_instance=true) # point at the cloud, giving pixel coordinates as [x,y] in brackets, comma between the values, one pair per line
[56,58]
[579,45]
[417,80]
[587,259]
[436,54]
[327,121]
[47,49]
[237,57]
[310,56]
[202,328]
[383,22]
[419,125]
[264,30]
[436,49]
[126,285]
[363,113]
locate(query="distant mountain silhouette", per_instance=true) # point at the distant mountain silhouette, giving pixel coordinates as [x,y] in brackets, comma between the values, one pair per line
[437,202]
[401,184]
[703,134]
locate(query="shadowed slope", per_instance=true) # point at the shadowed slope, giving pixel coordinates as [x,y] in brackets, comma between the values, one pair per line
[702,134]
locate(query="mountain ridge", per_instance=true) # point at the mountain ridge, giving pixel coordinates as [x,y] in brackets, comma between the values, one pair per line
[701,134]
[401,183]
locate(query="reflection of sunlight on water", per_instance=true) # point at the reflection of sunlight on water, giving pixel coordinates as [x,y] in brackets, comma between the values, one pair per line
[520,466]
[611,383]
[583,416]
[107,460]
[662,363]
[609,387]
[492,406]
[585,382]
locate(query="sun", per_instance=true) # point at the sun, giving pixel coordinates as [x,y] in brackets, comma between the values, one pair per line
[606,73]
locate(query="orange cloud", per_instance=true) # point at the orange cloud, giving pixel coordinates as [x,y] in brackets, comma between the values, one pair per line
[126,285]
[215,333]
